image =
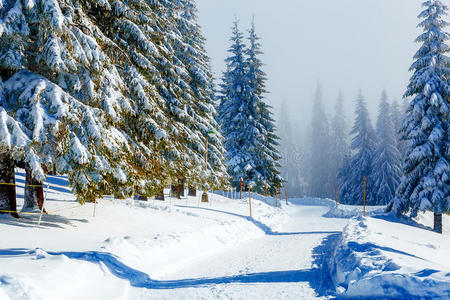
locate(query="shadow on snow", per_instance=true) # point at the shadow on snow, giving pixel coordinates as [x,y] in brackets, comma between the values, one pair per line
[267,230]
[318,276]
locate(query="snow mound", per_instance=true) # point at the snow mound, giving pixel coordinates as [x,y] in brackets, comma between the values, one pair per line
[339,211]
[377,257]
[350,211]
[313,202]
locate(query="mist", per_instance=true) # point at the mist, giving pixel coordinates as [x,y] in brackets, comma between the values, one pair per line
[345,45]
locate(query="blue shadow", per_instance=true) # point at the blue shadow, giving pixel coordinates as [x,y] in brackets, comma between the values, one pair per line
[59,180]
[366,247]
[267,230]
[318,277]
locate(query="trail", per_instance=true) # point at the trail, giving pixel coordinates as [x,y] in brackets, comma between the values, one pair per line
[288,263]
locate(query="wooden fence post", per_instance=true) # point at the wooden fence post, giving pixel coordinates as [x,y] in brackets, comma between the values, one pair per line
[364,200]
[240,192]
[266,188]
[249,200]
[335,189]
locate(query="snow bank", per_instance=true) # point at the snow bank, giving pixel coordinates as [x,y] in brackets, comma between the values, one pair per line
[339,211]
[379,257]
[350,211]
[125,238]
[219,226]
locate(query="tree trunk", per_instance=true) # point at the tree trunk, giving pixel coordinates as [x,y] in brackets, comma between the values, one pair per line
[34,191]
[7,192]
[160,195]
[140,197]
[181,188]
[438,223]
[52,170]
[192,191]
[178,189]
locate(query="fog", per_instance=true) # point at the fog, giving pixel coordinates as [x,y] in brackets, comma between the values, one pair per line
[346,45]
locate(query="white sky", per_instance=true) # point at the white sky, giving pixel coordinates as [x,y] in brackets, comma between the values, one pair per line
[346,44]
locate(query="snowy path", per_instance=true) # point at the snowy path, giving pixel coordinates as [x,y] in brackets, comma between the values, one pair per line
[286,263]
[185,249]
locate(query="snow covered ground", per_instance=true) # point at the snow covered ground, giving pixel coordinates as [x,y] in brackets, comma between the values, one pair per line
[382,257]
[185,249]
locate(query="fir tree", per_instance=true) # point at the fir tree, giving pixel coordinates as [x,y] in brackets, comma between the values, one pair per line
[386,163]
[425,184]
[192,54]
[239,117]
[339,144]
[62,90]
[291,166]
[268,161]
[319,171]
[361,161]
[397,115]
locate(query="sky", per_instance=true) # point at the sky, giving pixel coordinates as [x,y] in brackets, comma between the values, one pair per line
[347,45]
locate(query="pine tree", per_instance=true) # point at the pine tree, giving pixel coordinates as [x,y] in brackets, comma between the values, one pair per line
[397,116]
[291,166]
[339,144]
[386,163]
[268,161]
[191,51]
[137,37]
[425,184]
[169,148]
[319,171]
[62,90]
[361,161]
[238,117]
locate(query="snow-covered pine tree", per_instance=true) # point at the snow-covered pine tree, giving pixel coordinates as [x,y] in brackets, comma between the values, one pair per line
[425,184]
[192,53]
[63,92]
[339,138]
[344,172]
[142,35]
[386,162]
[397,115]
[292,156]
[239,117]
[12,141]
[148,40]
[268,161]
[319,156]
[360,164]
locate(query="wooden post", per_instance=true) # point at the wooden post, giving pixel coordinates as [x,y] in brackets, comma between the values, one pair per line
[364,197]
[335,189]
[286,196]
[42,208]
[240,192]
[249,200]
[266,187]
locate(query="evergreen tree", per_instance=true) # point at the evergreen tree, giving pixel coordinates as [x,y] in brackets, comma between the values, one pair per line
[361,161]
[386,163]
[319,171]
[268,161]
[193,55]
[397,115]
[291,166]
[166,70]
[62,90]
[239,117]
[339,144]
[143,34]
[425,184]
